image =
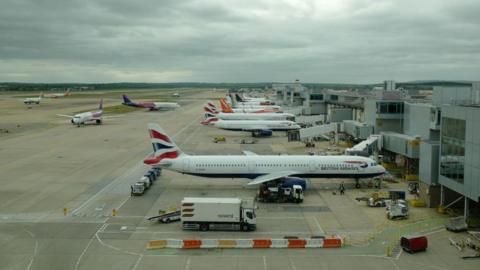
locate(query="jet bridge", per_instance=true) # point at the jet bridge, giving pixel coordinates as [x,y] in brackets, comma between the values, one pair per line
[367,147]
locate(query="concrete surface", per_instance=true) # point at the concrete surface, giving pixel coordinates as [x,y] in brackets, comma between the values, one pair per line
[47,164]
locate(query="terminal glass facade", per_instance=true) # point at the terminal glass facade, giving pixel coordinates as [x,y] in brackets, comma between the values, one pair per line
[316,96]
[452,159]
[390,107]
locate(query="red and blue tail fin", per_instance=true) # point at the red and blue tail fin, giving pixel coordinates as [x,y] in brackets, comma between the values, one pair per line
[209,120]
[163,146]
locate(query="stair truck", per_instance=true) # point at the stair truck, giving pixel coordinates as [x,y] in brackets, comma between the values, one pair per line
[218,214]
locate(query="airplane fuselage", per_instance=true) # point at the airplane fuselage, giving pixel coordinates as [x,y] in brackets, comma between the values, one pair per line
[255,116]
[82,118]
[251,125]
[252,166]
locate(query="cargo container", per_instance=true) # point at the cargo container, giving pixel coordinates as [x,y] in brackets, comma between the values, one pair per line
[218,214]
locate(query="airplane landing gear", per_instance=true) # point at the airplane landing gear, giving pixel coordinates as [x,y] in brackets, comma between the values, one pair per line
[357,183]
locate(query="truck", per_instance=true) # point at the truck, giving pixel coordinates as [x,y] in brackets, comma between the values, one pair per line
[397,209]
[137,189]
[147,181]
[380,198]
[218,214]
[290,189]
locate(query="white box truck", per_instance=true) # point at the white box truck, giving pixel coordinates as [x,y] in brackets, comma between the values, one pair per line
[218,214]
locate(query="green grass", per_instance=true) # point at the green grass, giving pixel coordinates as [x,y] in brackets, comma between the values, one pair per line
[119,109]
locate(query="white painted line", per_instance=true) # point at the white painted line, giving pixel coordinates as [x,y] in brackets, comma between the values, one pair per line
[34,249]
[83,252]
[138,261]
[291,263]
[264,263]
[187,264]
[318,225]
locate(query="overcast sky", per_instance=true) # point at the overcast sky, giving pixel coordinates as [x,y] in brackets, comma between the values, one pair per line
[349,41]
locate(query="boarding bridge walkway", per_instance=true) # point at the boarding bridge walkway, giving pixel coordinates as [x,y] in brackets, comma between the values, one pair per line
[366,147]
[317,131]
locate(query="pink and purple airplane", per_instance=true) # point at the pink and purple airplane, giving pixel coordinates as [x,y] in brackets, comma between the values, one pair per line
[152,106]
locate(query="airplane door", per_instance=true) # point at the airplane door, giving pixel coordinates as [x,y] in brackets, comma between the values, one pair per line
[251,166]
[312,165]
[186,165]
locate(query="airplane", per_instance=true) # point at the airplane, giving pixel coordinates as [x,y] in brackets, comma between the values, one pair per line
[32,100]
[261,102]
[152,106]
[259,168]
[83,118]
[251,125]
[226,108]
[210,112]
[176,94]
[247,98]
[58,95]
[237,105]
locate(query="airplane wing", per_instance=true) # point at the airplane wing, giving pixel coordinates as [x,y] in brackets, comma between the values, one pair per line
[249,153]
[270,177]
[64,115]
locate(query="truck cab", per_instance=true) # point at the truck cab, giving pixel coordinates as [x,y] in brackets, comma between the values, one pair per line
[248,217]
[137,189]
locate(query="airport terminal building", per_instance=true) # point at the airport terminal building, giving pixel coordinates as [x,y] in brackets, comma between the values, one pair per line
[431,138]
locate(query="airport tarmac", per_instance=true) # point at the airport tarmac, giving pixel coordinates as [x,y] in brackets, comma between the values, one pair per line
[48,165]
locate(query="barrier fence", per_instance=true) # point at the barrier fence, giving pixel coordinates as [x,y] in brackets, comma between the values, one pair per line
[324,242]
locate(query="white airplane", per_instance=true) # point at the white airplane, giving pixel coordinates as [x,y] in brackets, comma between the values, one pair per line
[32,100]
[152,106]
[212,112]
[237,105]
[251,125]
[226,108]
[260,168]
[255,102]
[58,95]
[85,117]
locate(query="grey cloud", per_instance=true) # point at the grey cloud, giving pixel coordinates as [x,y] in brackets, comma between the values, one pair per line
[237,41]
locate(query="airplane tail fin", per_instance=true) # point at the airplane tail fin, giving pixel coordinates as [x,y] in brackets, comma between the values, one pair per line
[126,100]
[230,100]
[100,106]
[163,146]
[210,108]
[239,98]
[225,106]
[67,92]
[209,120]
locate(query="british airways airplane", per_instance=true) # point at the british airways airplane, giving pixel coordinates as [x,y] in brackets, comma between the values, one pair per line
[85,117]
[152,106]
[259,168]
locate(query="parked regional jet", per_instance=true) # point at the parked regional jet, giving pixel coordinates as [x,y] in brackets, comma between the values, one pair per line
[211,112]
[152,106]
[226,108]
[83,118]
[58,95]
[32,100]
[260,168]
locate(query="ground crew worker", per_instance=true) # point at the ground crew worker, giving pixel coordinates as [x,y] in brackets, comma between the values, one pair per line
[342,189]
